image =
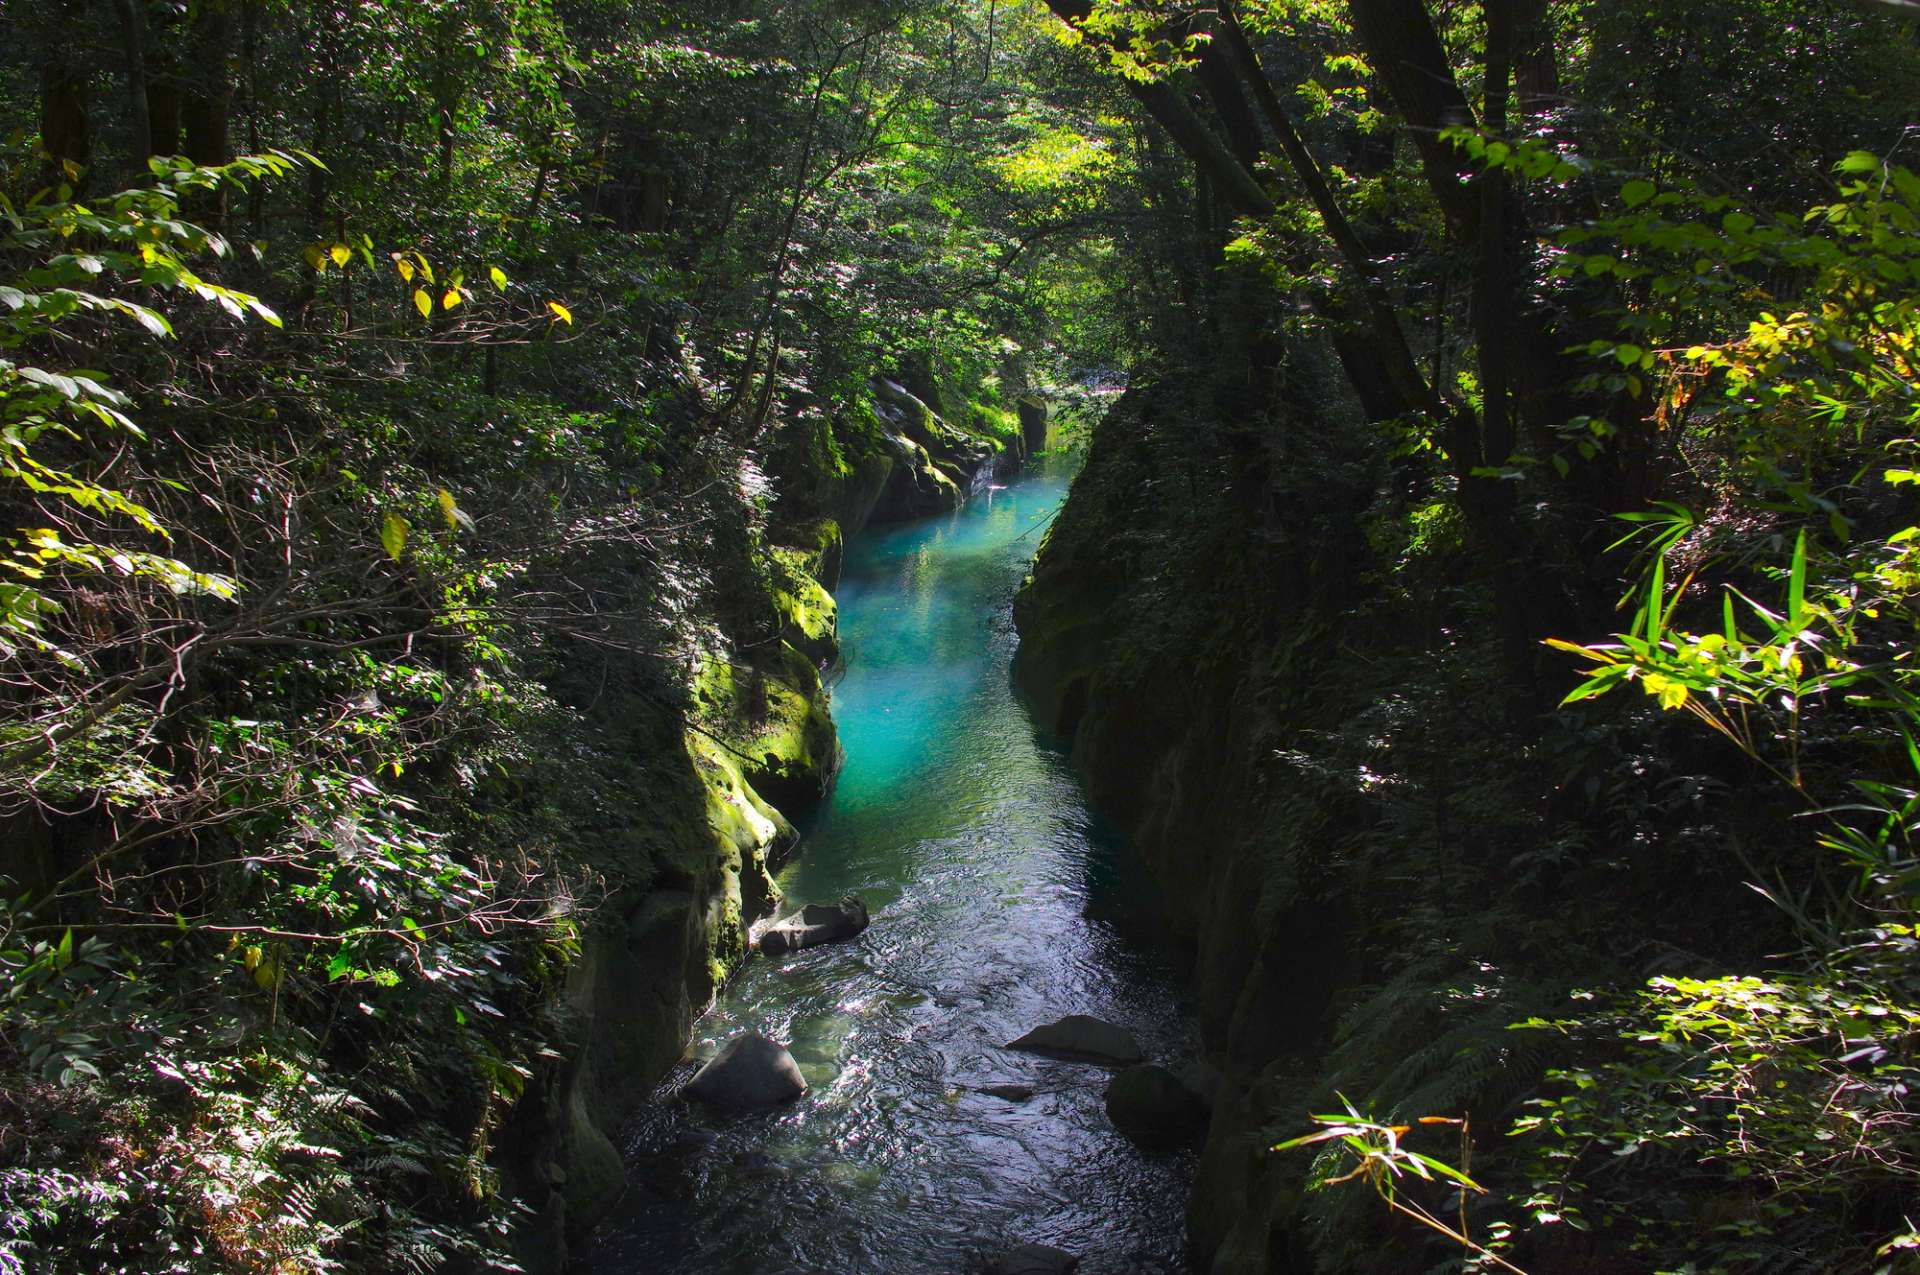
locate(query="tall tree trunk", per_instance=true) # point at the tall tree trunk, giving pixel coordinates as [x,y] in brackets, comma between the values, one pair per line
[66,131]
[1493,282]
[250,55]
[1536,67]
[133,46]
[1408,57]
[206,105]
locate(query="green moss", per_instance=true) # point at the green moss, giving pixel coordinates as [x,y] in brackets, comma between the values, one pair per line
[999,425]
[814,548]
[808,614]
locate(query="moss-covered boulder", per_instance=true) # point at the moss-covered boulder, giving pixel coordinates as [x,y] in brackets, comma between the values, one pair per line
[808,614]
[828,467]
[770,718]
[816,547]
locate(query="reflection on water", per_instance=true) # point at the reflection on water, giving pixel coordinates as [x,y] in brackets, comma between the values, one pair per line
[973,845]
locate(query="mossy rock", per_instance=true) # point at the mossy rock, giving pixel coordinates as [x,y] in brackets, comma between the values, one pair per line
[829,469]
[751,837]
[816,548]
[771,719]
[918,486]
[808,614]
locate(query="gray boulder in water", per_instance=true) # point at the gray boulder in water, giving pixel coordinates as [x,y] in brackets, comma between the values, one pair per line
[1033,1259]
[750,1071]
[816,923]
[1153,1107]
[1082,1038]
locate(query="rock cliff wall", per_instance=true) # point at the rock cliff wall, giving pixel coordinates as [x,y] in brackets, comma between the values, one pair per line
[1178,630]
[1276,652]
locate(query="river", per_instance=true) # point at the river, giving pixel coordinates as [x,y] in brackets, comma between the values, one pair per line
[996,898]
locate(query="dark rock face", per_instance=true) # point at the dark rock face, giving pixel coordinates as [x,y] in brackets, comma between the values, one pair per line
[1202,1080]
[1033,1259]
[1172,704]
[750,1071]
[935,465]
[817,923]
[1082,1038]
[1035,417]
[1150,1105]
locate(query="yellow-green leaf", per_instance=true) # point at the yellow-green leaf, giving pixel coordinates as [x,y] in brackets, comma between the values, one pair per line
[314,256]
[422,302]
[404,266]
[449,509]
[498,276]
[560,312]
[393,535]
[341,254]
[450,298]
[1671,694]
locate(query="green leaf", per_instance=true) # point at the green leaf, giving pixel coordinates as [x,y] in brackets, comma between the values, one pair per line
[393,535]
[1635,193]
[1797,582]
[1446,1170]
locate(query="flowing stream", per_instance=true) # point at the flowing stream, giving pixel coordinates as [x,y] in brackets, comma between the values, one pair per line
[995,898]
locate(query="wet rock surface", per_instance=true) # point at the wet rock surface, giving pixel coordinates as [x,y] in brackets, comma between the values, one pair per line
[1033,1259]
[1082,1038]
[749,1071]
[815,924]
[1153,1107]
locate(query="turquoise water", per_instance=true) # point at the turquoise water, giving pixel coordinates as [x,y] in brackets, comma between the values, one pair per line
[994,895]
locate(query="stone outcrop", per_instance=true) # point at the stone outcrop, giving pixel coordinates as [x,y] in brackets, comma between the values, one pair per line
[815,924]
[1146,644]
[1151,1106]
[749,1071]
[1082,1038]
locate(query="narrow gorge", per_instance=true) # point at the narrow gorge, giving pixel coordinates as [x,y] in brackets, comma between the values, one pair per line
[1269,637]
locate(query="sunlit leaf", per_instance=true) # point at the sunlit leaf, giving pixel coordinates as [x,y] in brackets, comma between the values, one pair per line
[393,535]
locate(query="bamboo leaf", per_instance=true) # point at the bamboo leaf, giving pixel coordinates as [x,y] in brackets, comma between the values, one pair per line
[1797,582]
